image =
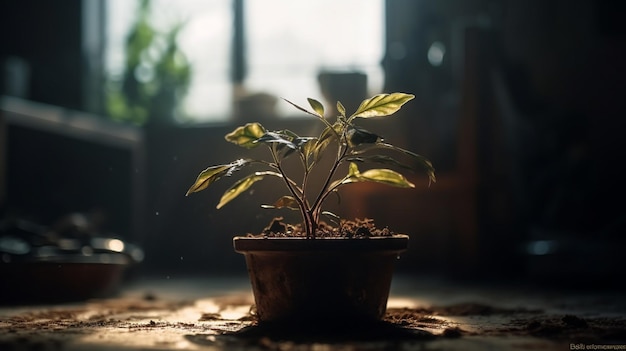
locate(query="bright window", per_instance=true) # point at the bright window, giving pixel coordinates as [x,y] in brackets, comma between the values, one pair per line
[287,43]
[290,42]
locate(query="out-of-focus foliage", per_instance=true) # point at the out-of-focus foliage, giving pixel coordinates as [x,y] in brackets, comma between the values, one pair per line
[156,75]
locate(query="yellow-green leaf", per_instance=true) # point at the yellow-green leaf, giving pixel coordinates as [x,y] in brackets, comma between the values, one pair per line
[247,135]
[317,107]
[357,136]
[302,109]
[353,170]
[242,185]
[384,159]
[207,177]
[379,175]
[430,170]
[324,140]
[284,202]
[308,149]
[423,161]
[386,176]
[381,105]
[341,109]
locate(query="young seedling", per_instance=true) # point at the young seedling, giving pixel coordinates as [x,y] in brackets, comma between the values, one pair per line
[349,143]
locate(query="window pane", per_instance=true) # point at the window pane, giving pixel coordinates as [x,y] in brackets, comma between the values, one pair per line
[205,40]
[290,42]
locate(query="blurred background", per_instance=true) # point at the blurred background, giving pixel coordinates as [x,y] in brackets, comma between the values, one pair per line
[110,108]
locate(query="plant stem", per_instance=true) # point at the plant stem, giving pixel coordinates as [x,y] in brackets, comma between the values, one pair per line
[309,223]
[317,205]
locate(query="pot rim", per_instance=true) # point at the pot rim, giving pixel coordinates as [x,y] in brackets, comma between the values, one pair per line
[395,243]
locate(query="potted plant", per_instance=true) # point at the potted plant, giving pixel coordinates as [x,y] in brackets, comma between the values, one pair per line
[314,271]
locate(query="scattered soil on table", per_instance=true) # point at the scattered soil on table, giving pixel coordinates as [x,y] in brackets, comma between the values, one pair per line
[567,328]
[524,322]
[428,323]
[469,309]
[414,318]
[54,327]
[398,325]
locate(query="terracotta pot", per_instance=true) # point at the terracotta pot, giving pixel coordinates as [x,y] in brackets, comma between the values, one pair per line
[298,280]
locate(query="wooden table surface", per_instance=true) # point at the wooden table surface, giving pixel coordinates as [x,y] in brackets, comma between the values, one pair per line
[167,313]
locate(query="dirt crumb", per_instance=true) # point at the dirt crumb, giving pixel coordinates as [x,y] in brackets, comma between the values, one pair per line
[358,228]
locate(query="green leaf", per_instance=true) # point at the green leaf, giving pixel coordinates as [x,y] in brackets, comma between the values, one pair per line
[326,137]
[247,135]
[302,142]
[380,175]
[428,167]
[317,107]
[287,134]
[386,176]
[273,137]
[212,174]
[284,202]
[286,137]
[423,162]
[287,142]
[316,113]
[353,171]
[357,136]
[381,105]
[341,109]
[308,147]
[242,185]
[303,109]
[383,159]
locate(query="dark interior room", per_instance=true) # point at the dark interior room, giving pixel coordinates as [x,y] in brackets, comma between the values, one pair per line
[111,109]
